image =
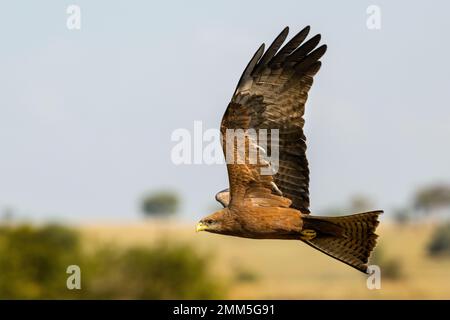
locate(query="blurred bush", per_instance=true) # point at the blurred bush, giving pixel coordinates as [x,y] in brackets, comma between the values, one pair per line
[34,260]
[164,271]
[391,267]
[440,241]
[245,275]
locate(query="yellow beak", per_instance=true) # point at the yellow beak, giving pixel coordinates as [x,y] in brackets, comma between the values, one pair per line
[200,227]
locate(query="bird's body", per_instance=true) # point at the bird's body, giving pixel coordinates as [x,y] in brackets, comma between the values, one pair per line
[269,198]
[261,223]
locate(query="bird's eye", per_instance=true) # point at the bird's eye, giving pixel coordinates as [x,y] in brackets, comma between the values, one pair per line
[209,221]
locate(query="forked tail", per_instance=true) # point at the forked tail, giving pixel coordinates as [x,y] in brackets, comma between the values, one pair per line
[349,239]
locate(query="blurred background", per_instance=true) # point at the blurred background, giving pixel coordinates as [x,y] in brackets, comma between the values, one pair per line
[87,179]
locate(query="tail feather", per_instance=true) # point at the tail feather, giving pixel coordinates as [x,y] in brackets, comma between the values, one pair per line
[349,239]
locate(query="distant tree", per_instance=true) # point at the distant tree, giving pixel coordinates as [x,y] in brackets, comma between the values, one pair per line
[402,215]
[361,203]
[7,215]
[432,197]
[160,203]
[332,211]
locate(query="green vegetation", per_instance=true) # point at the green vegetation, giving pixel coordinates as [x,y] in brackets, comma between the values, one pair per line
[245,275]
[34,260]
[391,267]
[164,271]
[440,241]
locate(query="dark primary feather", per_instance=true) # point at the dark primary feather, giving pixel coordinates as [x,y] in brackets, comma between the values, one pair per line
[303,50]
[270,53]
[251,65]
[271,94]
[289,47]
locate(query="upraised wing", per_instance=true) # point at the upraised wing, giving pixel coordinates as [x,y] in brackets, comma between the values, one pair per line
[271,94]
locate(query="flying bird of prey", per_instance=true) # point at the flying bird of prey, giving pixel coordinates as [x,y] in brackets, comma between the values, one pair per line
[271,94]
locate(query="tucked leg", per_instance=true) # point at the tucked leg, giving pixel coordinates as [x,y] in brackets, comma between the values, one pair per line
[307,234]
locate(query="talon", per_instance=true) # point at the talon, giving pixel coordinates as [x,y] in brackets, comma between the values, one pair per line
[307,234]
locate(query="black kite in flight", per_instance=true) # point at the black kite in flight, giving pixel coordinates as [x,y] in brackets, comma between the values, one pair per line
[271,94]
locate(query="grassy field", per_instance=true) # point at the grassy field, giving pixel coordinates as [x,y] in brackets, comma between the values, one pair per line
[272,269]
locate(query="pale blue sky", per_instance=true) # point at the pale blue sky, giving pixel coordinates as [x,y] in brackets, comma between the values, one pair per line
[86,116]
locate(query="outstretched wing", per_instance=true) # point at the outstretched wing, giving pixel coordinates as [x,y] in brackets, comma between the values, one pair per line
[271,94]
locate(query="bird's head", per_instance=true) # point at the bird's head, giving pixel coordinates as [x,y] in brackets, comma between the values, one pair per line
[219,222]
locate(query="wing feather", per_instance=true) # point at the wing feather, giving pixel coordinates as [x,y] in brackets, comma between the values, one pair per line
[270,53]
[250,66]
[303,50]
[289,47]
[271,94]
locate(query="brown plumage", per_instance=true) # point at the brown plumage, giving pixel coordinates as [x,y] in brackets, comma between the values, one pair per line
[271,94]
